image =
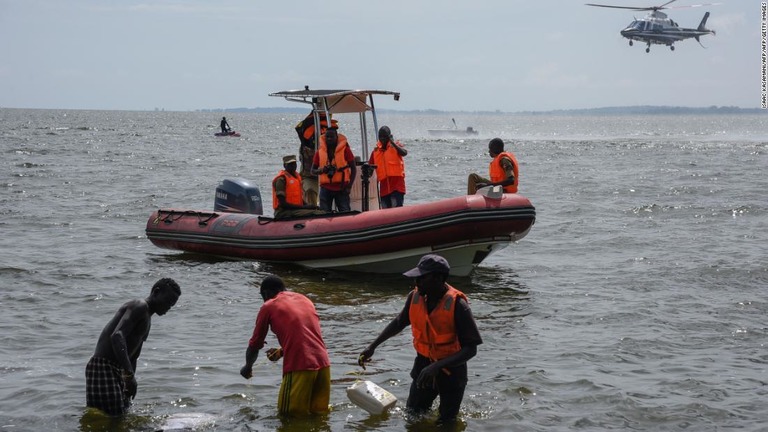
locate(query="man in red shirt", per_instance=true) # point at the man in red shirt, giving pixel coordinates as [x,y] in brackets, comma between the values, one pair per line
[306,385]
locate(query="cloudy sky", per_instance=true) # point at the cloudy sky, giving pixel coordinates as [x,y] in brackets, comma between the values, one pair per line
[507,55]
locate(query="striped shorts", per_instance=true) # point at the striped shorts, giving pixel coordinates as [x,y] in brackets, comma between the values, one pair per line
[104,386]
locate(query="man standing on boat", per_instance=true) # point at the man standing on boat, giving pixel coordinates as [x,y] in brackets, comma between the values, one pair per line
[390,169]
[334,165]
[224,126]
[110,383]
[287,196]
[306,131]
[445,336]
[503,170]
[306,384]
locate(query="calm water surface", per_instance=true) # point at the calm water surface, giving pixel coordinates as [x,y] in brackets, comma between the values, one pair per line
[637,301]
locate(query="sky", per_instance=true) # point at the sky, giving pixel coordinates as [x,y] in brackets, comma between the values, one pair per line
[477,55]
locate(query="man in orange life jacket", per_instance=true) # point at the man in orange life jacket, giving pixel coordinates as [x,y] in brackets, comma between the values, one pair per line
[287,194]
[306,131]
[390,169]
[334,165]
[504,170]
[445,336]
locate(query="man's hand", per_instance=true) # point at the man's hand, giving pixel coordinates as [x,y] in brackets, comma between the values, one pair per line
[427,377]
[246,371]
[274,354]
[130,385]
[365,357]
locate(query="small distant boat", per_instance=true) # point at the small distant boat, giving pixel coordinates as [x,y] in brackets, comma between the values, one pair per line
[230,133]
[454,132]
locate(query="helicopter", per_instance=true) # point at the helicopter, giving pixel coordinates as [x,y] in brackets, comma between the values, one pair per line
[657,28]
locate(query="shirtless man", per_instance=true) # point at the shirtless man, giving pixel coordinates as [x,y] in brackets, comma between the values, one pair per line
[109,375]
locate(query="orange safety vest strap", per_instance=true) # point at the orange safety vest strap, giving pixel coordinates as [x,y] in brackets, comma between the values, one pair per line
[498,174]
[293,191]
[434,334]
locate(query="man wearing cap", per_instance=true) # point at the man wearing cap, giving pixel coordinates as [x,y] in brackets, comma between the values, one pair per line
[503,170]
[287,196]
[334,165]
[445,337]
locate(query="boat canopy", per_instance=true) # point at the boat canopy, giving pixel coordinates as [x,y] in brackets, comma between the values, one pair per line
[336,101]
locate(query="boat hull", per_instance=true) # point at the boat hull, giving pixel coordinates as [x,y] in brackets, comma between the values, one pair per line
[232,134]
[455,133]
[465,229]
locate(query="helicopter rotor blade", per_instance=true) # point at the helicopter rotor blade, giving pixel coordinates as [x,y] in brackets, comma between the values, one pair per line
[652,8]
[694,5]
[635,8]
[664,6]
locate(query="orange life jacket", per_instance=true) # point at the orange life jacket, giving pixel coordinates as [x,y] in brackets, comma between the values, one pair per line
[388,162]
[434,334]
[306,128]
[497,171]
[340,176]
[293,191]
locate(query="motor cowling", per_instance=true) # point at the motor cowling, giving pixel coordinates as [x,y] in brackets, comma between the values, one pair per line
[238,196]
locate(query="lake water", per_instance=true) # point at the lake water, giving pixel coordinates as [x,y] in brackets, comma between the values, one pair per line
[637,301]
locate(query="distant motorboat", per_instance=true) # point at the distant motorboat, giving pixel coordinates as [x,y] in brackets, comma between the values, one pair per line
[453,132]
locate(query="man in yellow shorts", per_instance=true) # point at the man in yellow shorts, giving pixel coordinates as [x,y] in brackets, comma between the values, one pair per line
[306,385]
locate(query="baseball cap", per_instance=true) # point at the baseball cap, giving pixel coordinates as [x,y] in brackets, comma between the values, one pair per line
[430,263]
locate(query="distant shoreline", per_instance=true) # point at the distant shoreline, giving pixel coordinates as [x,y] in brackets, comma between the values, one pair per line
[624,110]
[604,111]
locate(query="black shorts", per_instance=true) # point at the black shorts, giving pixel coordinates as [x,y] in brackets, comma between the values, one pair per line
[449,385]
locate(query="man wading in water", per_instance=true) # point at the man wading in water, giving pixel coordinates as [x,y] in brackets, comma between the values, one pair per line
[110,383]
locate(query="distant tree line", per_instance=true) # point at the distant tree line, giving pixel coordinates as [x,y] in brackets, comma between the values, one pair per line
[625,110]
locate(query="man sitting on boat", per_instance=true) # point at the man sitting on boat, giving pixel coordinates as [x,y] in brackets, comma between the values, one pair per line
[503,170]
[334,165]
[287,196]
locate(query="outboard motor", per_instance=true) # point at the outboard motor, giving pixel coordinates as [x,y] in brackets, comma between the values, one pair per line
[238,196]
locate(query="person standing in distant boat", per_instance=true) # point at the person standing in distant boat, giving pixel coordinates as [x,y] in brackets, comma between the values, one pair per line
[390,169]
[225,129]
[110,383]
[445,337]
[306,384]
[335,167]
[287,197]
[503,170]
